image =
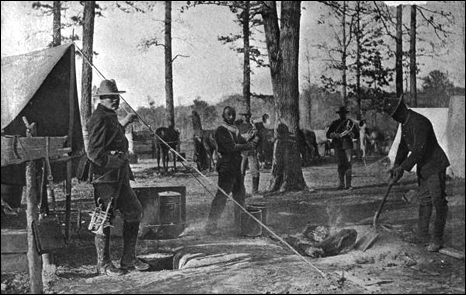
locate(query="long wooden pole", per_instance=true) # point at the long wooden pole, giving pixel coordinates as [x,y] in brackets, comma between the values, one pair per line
[69,163]
[32,215]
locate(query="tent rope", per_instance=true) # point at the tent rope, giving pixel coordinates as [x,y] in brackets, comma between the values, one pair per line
[208,180]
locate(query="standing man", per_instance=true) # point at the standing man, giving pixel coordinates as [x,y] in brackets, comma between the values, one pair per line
[418,137]
[250,158]
[342,132]
[230,145]
[111,173]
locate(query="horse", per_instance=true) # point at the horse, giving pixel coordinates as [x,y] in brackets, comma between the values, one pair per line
[172,138]
[307,143]
[321,139]
[205,146]
[205,150]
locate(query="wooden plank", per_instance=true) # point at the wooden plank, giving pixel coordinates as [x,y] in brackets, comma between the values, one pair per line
[16,150]
[14,241]
[452,253]
[14,263]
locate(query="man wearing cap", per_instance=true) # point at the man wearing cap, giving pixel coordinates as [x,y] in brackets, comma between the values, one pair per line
[111,173]
[230,145]
[342,132]
[418,137]
[250,157]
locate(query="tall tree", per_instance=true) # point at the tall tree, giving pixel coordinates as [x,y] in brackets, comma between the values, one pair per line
[170,108]
[399,51]
[283,49]
[86,81]
[338,55]
[56,23]
[246,63]
[412,57]
[343,56]
[358,59]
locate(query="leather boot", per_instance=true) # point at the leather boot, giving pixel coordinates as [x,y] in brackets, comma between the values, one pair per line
[104,263]
[436,242]
[255,185]
[348,175]
[129,260]
[422,235]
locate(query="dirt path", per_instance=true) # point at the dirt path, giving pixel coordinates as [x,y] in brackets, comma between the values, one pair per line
[264,265]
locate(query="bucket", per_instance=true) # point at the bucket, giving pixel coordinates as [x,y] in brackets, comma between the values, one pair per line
[264,210]
[250,227]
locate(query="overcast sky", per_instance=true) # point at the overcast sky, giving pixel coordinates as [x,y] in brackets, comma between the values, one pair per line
[211,71]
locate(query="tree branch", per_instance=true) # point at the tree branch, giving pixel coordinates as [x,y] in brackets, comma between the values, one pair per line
[180,55]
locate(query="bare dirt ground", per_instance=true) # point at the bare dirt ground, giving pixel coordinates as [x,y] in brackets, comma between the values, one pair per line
[265,265]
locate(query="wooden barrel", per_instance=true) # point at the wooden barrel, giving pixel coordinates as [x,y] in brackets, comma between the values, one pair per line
[164,212]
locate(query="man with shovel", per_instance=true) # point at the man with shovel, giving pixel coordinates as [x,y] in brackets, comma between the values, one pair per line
[418,137]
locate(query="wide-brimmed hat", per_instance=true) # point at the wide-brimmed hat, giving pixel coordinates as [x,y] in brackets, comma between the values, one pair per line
[108,87]
[391,104]
[342,110]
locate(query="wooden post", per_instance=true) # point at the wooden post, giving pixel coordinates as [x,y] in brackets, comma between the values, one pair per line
[32,215]
[68,200]
[69,163]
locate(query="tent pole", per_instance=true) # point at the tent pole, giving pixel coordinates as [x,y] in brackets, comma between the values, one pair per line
[69,163]
[32,215]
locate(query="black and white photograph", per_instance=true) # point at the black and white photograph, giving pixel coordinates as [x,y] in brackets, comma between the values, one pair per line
[233,147]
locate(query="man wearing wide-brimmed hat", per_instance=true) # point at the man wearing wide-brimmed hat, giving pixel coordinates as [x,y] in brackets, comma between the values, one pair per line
[418,137]
[111,173]
[342,132]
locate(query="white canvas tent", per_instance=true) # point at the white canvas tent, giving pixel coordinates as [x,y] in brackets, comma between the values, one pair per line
[449,129]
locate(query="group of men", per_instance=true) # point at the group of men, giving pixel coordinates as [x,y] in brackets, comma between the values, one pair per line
[107,167]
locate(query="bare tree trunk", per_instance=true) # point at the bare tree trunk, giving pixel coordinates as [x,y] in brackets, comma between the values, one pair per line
[358,60]
[170,109]
[56,23]
[86,83]
[246,65]
[283,49]
[412,62]
[399,51]
[343,57]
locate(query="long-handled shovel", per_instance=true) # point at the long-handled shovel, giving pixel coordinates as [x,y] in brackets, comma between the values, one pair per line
[371,236]
[379,210]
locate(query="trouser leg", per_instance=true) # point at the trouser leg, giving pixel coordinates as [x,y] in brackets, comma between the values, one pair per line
[342,163]
[425,212]
[432,192]
[239,193]
[254,170]
[225,182]
[348,171]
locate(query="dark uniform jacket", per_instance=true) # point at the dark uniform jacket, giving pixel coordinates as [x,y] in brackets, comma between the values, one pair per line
[229,158]
[338,126]
[418,137]
[106,139]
